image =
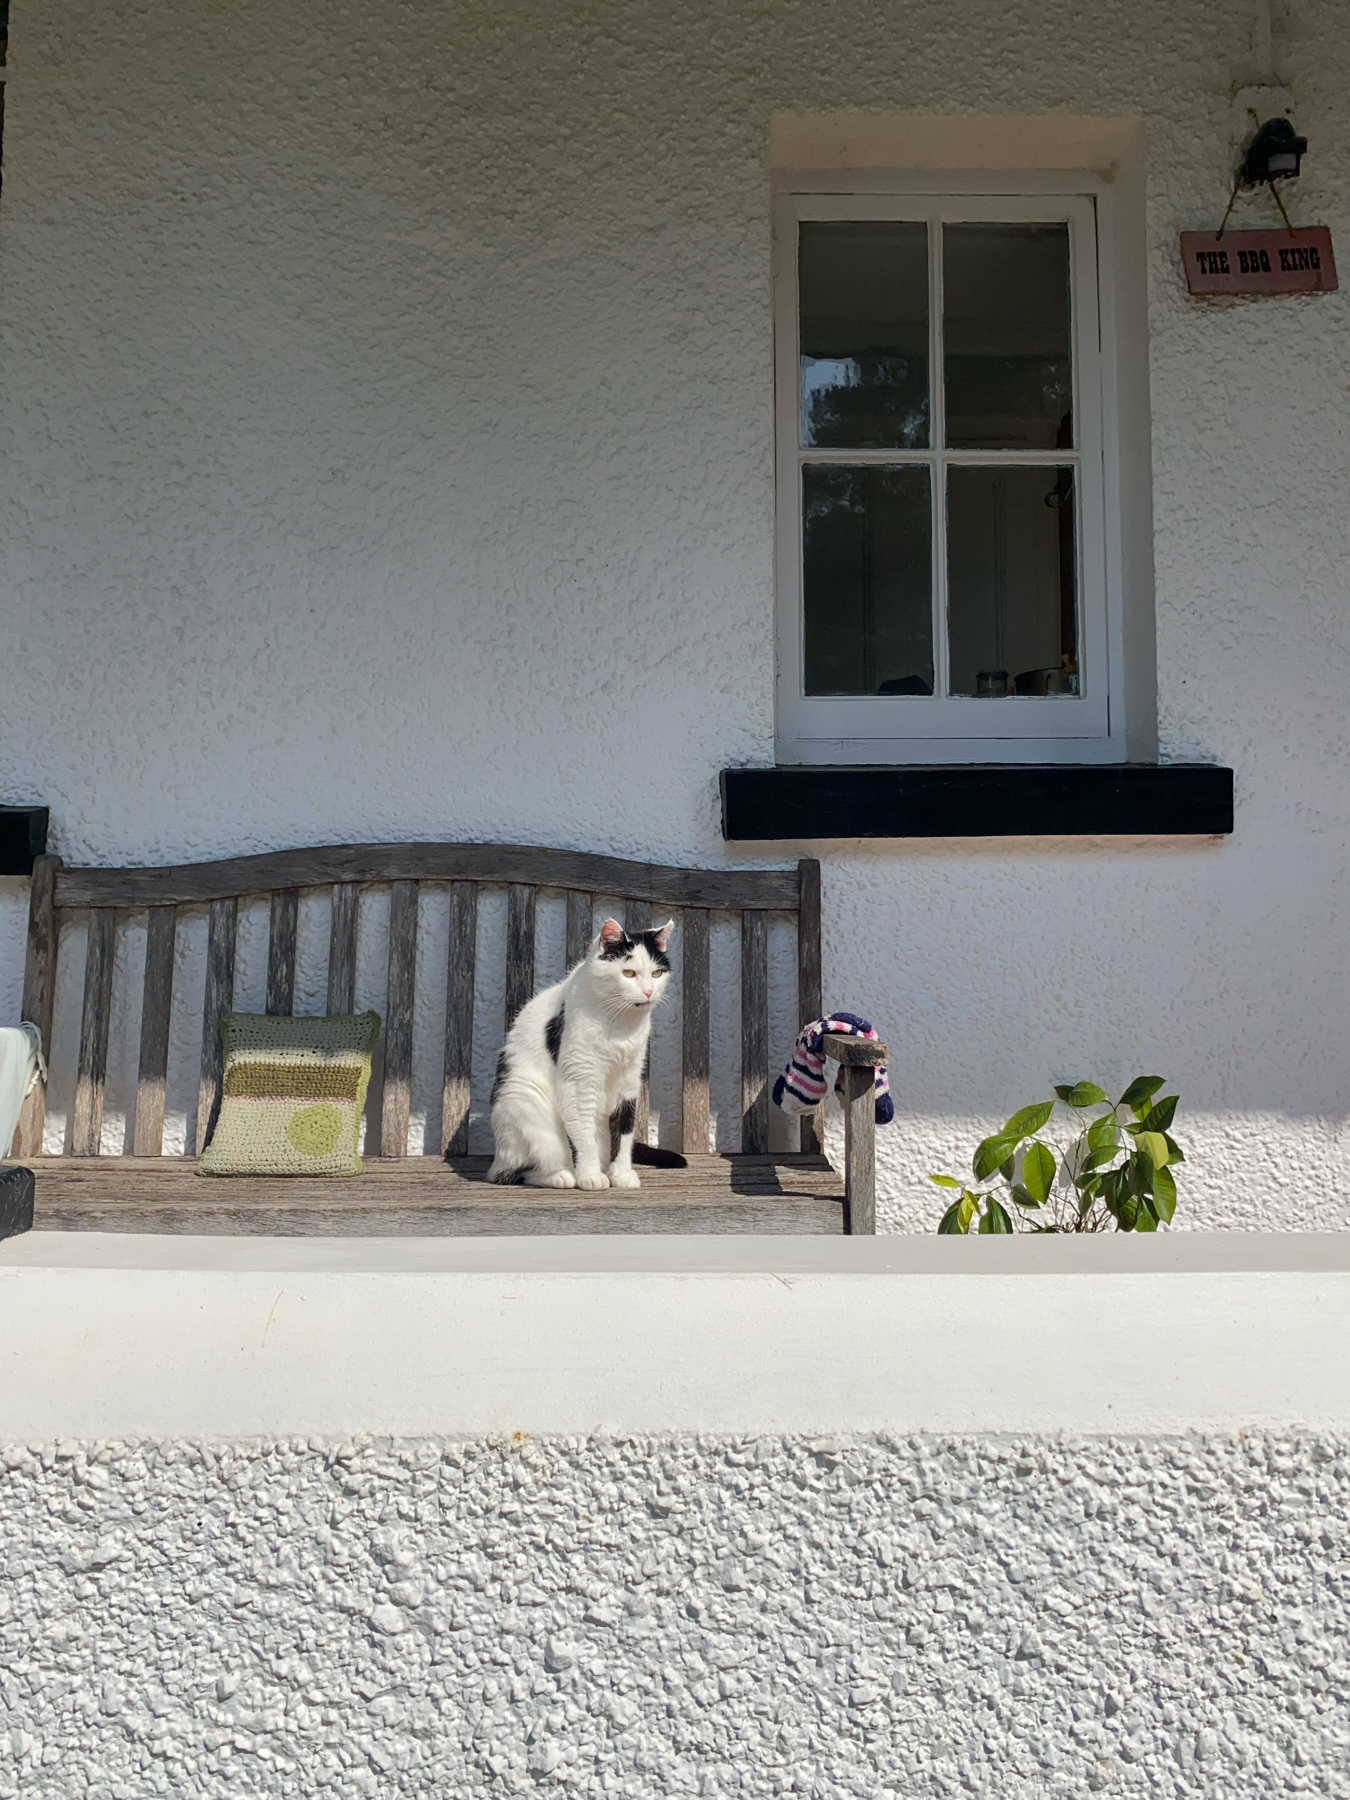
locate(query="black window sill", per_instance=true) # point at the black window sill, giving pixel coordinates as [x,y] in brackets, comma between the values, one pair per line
[23,836]
[978,800]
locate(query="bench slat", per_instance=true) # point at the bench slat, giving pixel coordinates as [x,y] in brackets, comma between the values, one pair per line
[637,916]
[526,864]
[458,1075]
[39,993]
[220,938]
[156,1004]
[398,1023]
[809,1003]
[521,901]
[695,1006]
[281,952]
[342,948]
[580,910]
[422,1196]
[754,1033]
[92,1070]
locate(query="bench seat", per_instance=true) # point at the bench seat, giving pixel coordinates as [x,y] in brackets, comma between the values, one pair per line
[422,1196]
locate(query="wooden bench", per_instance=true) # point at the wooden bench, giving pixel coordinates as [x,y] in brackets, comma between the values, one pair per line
[401,1194]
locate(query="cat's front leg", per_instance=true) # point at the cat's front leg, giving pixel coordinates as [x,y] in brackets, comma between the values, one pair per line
[622,1127]
[578,1109]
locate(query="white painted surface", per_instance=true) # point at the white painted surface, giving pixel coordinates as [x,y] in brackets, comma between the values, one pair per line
[659,1617]
[192,1337]
[387,451]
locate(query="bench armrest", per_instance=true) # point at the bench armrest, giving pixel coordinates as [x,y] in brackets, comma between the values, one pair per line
[859,1057]
[853,1052]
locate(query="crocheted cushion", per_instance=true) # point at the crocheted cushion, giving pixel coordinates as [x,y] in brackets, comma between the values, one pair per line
[292,1095]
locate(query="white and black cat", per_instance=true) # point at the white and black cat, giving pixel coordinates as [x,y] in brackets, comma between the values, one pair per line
[564,1103]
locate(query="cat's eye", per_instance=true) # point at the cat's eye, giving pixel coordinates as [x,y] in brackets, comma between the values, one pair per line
[631,974]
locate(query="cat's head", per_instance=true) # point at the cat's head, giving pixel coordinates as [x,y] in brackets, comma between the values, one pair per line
[633,970]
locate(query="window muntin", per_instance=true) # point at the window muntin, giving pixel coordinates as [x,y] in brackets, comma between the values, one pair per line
[942,558]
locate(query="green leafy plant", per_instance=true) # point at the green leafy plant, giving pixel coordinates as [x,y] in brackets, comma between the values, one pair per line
[1118,1167]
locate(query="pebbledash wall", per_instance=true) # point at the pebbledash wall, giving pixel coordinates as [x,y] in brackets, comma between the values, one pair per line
[387,432]
[655,1616]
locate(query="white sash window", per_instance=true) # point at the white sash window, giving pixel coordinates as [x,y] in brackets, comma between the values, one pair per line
[944,564]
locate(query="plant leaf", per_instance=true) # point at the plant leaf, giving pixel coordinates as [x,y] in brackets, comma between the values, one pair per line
[1127,1211]
[990,1154]
[996,1222]
[1159,1117]
[970,1206]
[1082,1093]
[951,1224]
[1021,1197]
[1038,1171]
[1174,1151]
[1063,1089]
[944,1181]
[1153,1145]
[1164,1194]
[1028,1121]
[1103,1138]
[1140,1091]
[1145,1219]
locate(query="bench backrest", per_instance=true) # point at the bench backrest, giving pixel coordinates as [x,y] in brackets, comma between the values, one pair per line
[113,896]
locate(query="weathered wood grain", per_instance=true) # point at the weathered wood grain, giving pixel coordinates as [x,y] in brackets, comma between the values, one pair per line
[754,1032]
[458,1076]
[423,1196]
[502,864]
[92,1068]
[854,1052]
[860,1141]
[342,948]
[695,1029]
[521,901]
[281,952]
[220,938]
[39,993]
[809,977]
[637,916]
[398,1023]
[156,1005]
[580,910]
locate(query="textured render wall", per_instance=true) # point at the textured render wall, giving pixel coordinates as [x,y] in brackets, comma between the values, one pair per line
[663,1617]
[387,452]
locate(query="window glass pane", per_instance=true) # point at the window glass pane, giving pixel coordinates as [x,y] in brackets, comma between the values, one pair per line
[864,334]
[1005,304]
[1012,601]
[867,569]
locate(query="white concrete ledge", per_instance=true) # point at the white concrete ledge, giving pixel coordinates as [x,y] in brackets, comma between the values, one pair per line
[127,1335]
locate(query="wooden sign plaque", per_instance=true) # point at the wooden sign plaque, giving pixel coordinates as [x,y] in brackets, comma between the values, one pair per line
[1260,262]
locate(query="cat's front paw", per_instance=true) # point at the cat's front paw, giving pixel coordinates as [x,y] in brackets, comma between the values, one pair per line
[627,1180]
[597,1180]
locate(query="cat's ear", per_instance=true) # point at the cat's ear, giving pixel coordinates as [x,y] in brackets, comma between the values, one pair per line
[611,935]
[662,935]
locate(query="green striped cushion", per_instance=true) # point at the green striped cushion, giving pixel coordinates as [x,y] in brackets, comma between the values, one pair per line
[292,1095]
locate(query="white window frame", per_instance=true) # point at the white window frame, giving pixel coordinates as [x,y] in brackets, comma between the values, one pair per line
[1088,727]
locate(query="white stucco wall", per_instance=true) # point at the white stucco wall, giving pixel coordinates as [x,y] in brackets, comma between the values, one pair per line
[655,1616]
[387,453]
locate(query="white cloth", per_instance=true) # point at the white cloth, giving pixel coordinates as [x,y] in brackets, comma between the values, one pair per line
[21,1066]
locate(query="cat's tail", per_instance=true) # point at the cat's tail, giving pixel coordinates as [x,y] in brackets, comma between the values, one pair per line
[658,1159]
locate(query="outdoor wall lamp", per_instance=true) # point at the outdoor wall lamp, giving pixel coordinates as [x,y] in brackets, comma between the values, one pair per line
[1273,154]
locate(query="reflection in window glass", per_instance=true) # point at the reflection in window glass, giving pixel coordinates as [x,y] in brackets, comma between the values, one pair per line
[1008,372]
[867,573]
[864,334]
[1012,583]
